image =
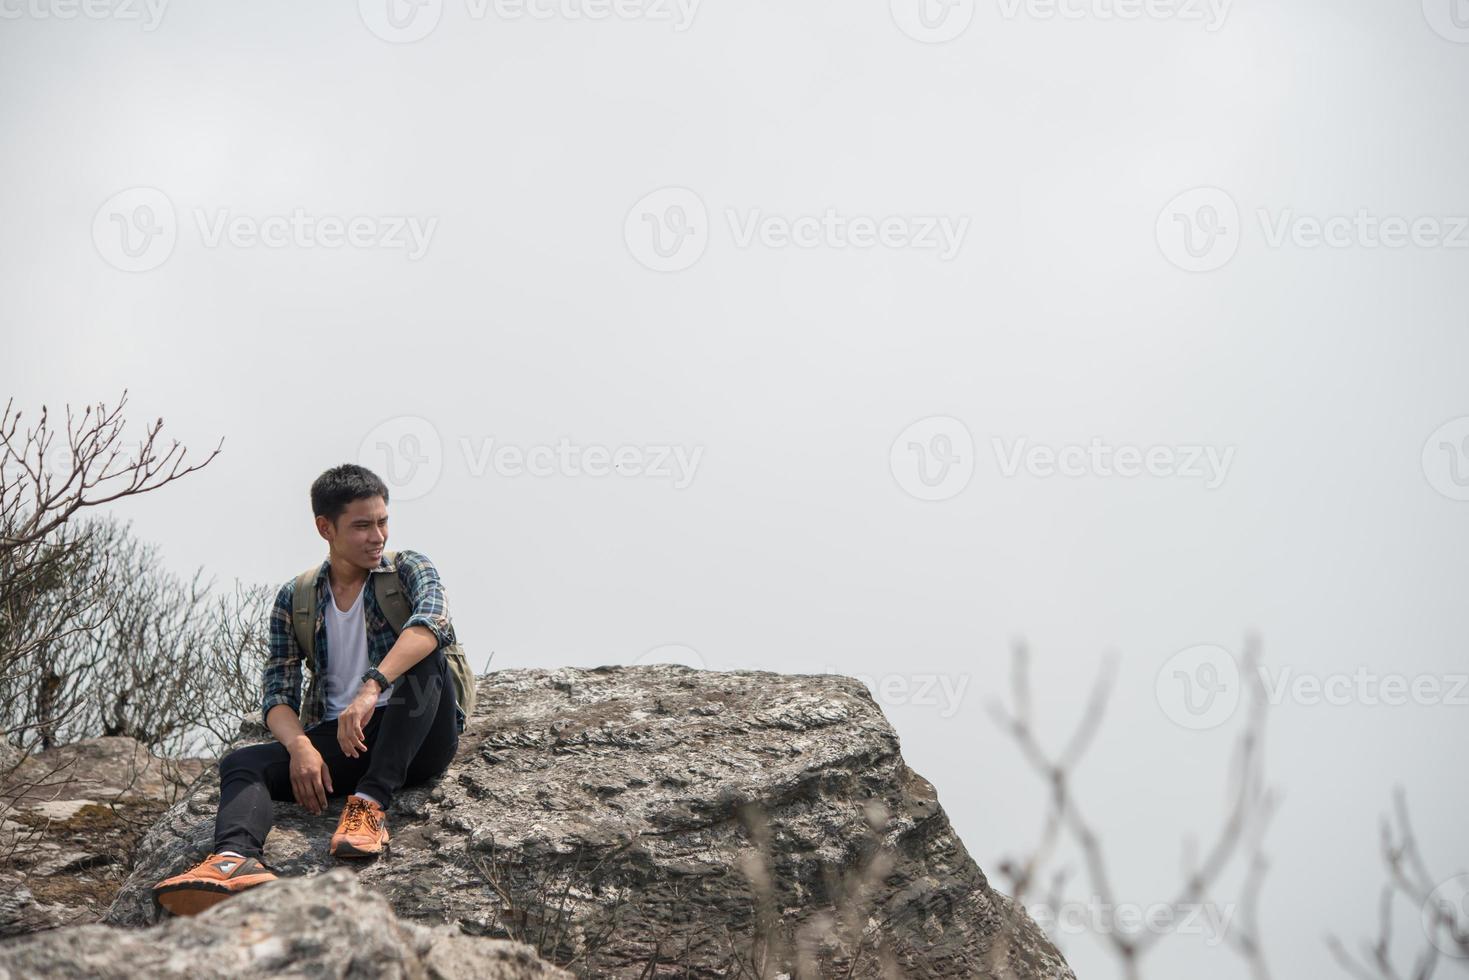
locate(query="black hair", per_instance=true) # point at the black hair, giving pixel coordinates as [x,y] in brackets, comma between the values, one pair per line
[339,486]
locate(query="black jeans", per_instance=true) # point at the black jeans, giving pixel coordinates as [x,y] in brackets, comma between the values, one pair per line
[410,739]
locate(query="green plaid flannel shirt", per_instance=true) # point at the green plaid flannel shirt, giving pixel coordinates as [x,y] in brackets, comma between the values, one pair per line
[281,681]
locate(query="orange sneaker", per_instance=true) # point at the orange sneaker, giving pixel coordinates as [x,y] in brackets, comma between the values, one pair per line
[210,882]
[362,831]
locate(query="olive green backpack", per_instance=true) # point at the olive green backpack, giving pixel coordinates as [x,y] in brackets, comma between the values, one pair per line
[396,609]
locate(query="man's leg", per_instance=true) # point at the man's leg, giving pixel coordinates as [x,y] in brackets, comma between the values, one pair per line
[415,735]
[251,777]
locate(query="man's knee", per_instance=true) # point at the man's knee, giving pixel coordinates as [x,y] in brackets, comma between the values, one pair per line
[250,759]
[436,661]
[421,685]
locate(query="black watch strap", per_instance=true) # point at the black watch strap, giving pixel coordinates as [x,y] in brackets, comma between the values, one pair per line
[377,675]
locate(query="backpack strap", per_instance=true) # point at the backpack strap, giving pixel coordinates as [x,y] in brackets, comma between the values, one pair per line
[390,597]
[303,614]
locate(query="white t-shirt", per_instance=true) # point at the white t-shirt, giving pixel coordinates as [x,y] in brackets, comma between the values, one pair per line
[346,653]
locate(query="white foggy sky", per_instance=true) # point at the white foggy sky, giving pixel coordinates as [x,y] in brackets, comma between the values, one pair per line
[793,371]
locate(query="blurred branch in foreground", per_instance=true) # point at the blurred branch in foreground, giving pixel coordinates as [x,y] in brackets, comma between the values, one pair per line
[1441,905]
[1250,806]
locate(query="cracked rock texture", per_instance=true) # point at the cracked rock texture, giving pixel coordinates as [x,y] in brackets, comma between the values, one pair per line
[69,817]
[659,821]
[331,925]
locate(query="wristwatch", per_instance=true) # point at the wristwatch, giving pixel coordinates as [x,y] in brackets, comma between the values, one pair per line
[373,674]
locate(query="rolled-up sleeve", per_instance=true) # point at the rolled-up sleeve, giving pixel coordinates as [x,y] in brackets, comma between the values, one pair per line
[426,594]
[281,680]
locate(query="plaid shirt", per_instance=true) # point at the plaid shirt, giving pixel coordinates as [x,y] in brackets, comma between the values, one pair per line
[281,681]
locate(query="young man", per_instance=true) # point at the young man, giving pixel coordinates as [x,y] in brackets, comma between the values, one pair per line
[380,713]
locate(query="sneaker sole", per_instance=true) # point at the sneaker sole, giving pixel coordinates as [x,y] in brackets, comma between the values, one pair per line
[193,897]
[348,850]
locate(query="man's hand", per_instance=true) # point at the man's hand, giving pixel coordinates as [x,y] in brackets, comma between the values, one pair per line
[355,717]
[311,781]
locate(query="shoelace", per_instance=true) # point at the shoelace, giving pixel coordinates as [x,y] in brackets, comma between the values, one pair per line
[359,811]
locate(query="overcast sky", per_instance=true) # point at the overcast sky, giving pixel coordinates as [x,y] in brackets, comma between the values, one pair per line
[823,335]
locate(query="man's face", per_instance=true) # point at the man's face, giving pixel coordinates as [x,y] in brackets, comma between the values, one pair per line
[360,533]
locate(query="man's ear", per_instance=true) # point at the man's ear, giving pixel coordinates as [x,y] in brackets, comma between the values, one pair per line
[324,527]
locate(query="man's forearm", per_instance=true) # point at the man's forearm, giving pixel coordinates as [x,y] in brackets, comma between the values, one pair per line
[285,725]
[413,644]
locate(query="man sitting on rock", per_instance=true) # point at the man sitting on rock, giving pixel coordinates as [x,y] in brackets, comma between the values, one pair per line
[383,716]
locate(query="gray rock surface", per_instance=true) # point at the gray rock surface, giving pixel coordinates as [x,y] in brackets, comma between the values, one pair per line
[699,822]
[331,925]
[69,819]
